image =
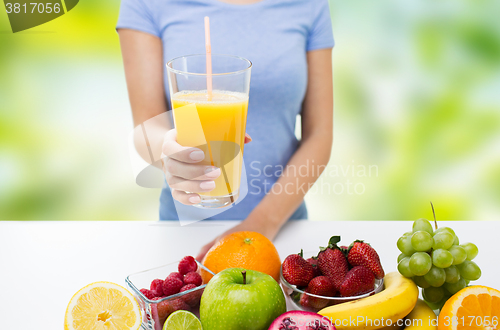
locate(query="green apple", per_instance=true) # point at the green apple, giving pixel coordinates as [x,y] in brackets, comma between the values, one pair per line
[239,299]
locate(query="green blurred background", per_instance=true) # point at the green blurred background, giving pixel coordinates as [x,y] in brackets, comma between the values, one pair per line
[417,101]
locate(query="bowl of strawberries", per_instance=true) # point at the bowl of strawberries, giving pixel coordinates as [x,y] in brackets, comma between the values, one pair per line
[163,290]
[334,275]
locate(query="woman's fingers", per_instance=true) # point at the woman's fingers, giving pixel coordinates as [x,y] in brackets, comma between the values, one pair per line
[174,150]
[191,171]
[186,198]
[248,138]
[204,250]
[189,185]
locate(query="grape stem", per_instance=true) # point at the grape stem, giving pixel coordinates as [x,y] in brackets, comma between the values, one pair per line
[434,214]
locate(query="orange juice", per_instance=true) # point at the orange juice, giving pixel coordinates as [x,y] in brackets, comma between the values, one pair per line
[218,128]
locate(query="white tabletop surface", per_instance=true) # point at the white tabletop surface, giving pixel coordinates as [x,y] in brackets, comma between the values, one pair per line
[42,264]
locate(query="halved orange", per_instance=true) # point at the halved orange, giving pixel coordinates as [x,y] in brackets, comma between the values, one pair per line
[103,305]
[474,308]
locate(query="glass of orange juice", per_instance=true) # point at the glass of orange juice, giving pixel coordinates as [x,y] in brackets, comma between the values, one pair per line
[213,122]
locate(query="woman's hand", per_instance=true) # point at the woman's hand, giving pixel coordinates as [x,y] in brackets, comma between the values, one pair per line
[185,177]
[260,224]
[182,172]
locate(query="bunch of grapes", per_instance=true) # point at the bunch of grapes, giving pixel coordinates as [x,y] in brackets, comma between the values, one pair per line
[436,261]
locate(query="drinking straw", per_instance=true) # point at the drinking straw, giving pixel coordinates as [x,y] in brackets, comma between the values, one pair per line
[208,49]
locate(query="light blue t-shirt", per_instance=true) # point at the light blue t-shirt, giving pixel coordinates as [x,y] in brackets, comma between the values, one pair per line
[275,35]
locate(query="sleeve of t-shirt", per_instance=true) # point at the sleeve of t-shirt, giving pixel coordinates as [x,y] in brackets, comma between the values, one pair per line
[320,34]
[137,15]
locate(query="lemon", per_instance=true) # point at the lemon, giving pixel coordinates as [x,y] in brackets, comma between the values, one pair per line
[102,305]
[182,320]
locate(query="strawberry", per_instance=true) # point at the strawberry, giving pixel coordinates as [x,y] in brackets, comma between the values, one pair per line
[296,270]
[320,286]
[359,280]
[304,300]
[362,254]
[314,262]
[333,263]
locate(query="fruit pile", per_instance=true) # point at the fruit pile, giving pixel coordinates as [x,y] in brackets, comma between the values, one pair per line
[187,278]
[334,272]
[394,303]
[436,261]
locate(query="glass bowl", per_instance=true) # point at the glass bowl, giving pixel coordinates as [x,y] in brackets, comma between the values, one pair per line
[155,312]
[293,296]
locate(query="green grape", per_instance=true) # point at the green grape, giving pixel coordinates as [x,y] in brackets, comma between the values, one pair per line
[420,263]
[467,282]
[404,267]
[459,254]
[422,225]
[435,277]
[404,245]
[469,270]
[434,306]
[402,256]
[442,258]
[452,274]
[442,302]
[421,282]
[408,233]
[421,241]
[443,240]
[456,241]
[447,229]
[471,250]
[433,295]
[455,287]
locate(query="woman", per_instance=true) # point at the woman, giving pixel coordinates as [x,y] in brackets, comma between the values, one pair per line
[290,44]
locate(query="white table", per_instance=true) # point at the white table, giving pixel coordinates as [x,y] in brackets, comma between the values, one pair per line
[42,264]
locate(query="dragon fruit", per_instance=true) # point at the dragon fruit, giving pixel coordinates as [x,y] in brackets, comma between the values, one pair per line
[299,320]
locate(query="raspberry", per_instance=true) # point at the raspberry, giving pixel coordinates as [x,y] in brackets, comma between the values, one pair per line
[192,278]
[157,285]
[187,264]
[148,293]
[192,298]
[178,304]
[164,308]
[171,286]
[176,275]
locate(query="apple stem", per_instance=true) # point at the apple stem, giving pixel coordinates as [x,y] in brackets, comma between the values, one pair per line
[434,214]
[244,273]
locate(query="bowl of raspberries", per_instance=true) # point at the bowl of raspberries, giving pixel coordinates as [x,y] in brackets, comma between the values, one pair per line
[163,290]
[334,275]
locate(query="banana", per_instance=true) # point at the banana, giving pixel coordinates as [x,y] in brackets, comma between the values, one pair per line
[394,326]
[394,302]
[422,317]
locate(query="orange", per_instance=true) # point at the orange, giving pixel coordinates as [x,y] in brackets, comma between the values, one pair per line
[245,249]
[103,305]
[475,308]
